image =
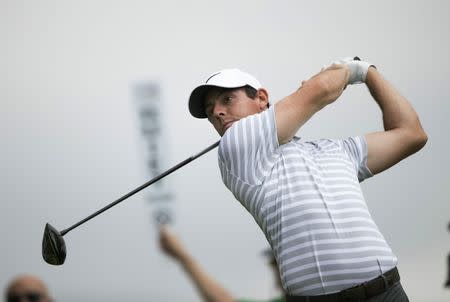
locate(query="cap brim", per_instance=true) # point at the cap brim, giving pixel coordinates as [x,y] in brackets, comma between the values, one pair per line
[197,99]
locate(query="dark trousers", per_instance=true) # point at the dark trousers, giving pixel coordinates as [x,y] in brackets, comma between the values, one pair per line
[384,288]
[394,294]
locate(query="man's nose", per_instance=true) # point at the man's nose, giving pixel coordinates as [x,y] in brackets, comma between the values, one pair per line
[219,110]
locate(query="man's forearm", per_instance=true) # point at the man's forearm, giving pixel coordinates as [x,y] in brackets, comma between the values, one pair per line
[332,83]
[403,133]
[296,109]
[397,111]
[210,290]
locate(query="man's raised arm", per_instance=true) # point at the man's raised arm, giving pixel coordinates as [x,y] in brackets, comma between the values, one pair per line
[403,133]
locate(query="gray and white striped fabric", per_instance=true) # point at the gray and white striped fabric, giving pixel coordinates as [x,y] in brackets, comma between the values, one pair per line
[307,199]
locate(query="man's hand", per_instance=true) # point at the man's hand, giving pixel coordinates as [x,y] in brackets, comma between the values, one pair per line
[170,244]
[358,69]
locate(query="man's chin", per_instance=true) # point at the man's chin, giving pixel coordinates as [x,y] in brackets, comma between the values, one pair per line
[228,126]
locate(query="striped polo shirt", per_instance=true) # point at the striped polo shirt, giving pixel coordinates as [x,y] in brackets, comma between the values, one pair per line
[306,198]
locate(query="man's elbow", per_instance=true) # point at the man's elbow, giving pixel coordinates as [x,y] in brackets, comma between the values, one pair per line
[417,139]
[422,139]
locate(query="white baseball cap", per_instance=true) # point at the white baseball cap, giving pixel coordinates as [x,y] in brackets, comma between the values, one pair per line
[226,78]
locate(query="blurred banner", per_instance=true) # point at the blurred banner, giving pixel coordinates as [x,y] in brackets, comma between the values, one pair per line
[147,96]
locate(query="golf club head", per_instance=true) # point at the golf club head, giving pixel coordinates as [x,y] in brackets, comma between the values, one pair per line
[53,246]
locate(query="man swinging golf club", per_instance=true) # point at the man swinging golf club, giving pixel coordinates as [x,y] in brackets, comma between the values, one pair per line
[305,195]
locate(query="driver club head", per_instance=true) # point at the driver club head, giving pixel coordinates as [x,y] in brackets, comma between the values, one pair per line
[53,246]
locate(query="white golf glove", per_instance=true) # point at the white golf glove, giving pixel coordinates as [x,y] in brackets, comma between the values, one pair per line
[358,69]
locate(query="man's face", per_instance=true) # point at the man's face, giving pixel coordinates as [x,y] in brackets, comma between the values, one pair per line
[225,107]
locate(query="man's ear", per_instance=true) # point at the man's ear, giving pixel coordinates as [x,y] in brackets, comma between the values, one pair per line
[263,98]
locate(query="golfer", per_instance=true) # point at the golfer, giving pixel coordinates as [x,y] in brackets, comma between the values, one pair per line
[305,195]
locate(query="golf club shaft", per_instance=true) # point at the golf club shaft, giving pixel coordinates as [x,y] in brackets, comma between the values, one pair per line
[153,180]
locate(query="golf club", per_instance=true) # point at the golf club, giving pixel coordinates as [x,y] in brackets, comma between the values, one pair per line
[53,245]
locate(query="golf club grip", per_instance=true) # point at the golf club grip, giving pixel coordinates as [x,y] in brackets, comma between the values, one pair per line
[153,180]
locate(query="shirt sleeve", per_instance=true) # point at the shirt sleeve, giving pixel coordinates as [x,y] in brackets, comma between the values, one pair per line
[356,149]
[249,147]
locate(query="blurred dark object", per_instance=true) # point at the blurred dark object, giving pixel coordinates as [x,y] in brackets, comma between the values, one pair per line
[447,284]
[163,216]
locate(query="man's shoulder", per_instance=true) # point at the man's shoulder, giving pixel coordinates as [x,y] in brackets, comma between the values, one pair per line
[255,128]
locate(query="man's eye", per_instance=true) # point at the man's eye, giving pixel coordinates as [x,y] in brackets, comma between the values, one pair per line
[227,99]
